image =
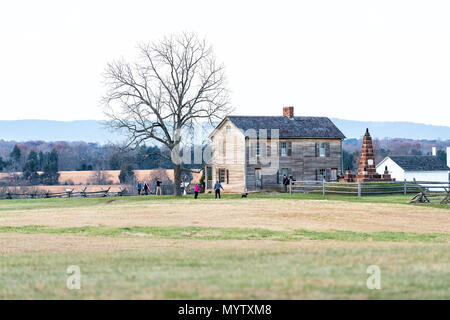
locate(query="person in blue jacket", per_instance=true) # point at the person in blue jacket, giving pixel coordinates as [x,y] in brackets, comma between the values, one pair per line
[217,188]
[139,187]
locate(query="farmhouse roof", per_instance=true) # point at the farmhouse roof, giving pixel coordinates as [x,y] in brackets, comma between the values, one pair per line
[296,127]
[420,163]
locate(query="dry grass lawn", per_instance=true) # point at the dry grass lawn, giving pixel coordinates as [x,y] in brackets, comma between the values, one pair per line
[276,214]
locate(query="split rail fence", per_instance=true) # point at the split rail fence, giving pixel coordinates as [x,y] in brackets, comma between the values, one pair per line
[68,193]
[425,191]
[71,193]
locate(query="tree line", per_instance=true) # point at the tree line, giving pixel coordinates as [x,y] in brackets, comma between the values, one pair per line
[50,157]
[37,167]
[79,156]
[40,161]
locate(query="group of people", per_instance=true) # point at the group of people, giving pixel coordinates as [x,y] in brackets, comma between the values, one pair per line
[145,189]
[217,188]
[287,181]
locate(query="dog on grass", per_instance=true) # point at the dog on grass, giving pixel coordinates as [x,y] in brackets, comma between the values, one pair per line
[244,195]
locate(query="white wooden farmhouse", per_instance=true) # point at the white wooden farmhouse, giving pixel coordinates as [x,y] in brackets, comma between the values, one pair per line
[419,168]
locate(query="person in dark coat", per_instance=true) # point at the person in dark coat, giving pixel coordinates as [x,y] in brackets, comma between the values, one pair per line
[158,187]
[146,189]
[285,182]
[139,187]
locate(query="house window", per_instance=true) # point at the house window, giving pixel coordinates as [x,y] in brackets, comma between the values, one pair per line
[258,149]
[222,175]
[285,149]
[228,129]
[322,174]
[322,149]
[283,146]
[224,148]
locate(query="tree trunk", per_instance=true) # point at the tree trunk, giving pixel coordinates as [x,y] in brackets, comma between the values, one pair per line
[176,179]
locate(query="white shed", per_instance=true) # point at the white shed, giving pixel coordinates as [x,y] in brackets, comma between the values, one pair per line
[419,168]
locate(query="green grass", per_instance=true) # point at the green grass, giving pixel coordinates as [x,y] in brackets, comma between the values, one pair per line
[418,272]
[36,204]
[216,233]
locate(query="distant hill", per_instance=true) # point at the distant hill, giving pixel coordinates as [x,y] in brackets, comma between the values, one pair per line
[94,131]
[406,130]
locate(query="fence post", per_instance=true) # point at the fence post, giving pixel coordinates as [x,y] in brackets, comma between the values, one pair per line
[290,187]
[323,186]
[359,188]
[405,187]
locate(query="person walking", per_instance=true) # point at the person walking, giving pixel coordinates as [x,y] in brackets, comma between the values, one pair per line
[291,181]
[196,191]
[217,188]
[139,187]
[285,182]
[182,187]
[158,186]
[146,188]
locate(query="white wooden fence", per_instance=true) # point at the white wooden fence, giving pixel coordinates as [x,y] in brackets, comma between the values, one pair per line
[370,188]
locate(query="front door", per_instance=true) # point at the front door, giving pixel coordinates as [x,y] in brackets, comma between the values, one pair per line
[258,179]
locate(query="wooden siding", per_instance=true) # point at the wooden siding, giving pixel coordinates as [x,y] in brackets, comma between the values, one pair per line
[231,159]
[302,162]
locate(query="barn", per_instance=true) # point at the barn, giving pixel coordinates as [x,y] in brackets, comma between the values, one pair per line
[419,168]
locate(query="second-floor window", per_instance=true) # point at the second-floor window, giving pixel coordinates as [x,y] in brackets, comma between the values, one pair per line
[322,149]
[258,149]
[224,148]
[285,149]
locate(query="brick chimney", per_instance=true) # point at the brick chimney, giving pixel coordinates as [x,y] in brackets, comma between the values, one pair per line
[288,112]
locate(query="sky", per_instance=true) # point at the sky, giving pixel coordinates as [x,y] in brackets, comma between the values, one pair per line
[358,60]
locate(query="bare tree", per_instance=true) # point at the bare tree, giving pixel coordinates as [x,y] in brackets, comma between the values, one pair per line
[174,84]
[100,177]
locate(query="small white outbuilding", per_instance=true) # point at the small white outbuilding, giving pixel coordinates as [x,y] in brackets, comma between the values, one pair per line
[419,168]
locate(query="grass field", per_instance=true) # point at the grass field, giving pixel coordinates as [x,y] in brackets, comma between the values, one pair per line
[268,246]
